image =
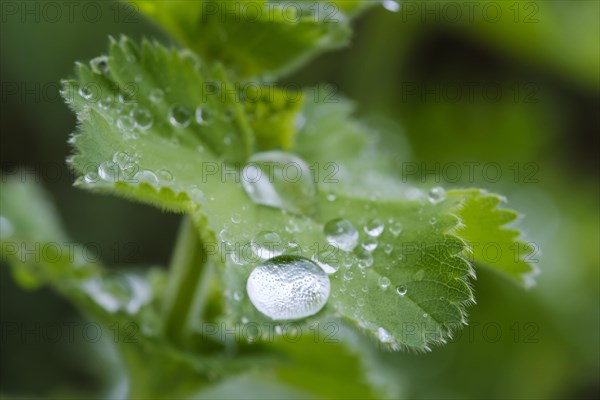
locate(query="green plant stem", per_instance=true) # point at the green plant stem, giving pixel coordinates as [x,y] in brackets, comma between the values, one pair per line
[187,287]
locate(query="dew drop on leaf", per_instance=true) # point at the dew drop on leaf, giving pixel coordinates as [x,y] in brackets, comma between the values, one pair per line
[436,195]
[180,116]
[122,159]
[142,117]
[91,177]
[99,64]
[388,248]
[204,116]
[348,275]
[267,244]
[164,175]
[236,218]
[341,233]
[280,179]
[125,123]
[157,95]
[146,176]
[288,288]
[369,244]
[364,257]
[402,290]
[395,228]
[374,227]
[384,282]
[108,171]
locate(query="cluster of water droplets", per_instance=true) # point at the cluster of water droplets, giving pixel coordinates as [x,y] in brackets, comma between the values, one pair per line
[123,167]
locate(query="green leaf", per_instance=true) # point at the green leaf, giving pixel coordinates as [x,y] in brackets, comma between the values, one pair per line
[411,291]
[257,37]
[490,241]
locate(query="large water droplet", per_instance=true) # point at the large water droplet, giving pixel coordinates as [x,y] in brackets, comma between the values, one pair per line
[288,287]
[280,179]
[180,116]
[437,195]
[267,245]
[374,227]
[341,234]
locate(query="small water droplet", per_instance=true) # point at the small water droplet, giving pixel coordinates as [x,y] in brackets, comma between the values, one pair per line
[226,235]
[341,233]
[125,123]
[374,227]
[237,296]
[370,243]
[395,228]
[288,287]
[327,260]
[433,221]
[281,180]
[384,282]
[402,290]
[157,95]
[391,5]
[364,257]
[86,92]
[388,248]
[109,171]
[436,195]
[99,64]
[204,116]
[348,275]
[91,177]
[331,197]
[142,117]
[146,176]
[236,218]
[180,116]
[164,175]
[245,320]
[267,244]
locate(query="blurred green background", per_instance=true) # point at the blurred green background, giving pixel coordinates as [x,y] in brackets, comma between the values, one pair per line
[518,94]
